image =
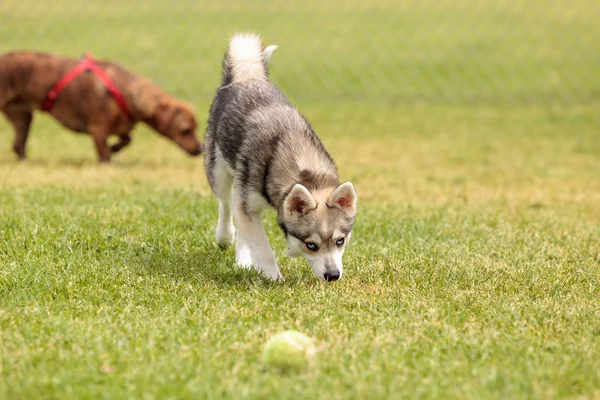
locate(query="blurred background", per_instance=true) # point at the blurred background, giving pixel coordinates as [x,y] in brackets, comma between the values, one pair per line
[457,52]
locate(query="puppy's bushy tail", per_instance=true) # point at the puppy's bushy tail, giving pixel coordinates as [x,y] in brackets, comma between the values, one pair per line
[245,59]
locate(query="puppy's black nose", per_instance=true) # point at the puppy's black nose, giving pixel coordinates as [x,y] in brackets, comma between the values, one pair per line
[331,276]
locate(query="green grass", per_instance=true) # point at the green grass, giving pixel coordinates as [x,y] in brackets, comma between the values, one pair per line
[403,51]
[473,272]
[474,267]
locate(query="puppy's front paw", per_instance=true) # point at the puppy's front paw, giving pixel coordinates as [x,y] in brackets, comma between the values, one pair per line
[243,258]
[225,235]
[271,272]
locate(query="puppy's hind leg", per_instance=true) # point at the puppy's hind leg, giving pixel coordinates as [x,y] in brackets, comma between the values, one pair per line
[21,121]
[222,183]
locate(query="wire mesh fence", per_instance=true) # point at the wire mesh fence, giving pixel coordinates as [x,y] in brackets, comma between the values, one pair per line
[430,51]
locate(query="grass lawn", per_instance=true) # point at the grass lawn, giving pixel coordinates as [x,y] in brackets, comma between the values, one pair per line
[473,271]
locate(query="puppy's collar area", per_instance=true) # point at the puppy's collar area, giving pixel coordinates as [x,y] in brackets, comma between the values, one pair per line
[87,64]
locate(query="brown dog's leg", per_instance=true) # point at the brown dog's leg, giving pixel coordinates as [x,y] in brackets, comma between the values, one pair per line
[21,121]
[100,135]
[124,140]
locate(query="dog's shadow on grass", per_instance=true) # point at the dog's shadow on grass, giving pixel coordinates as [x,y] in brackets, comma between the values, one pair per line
[209,263]
[49,162]
[14,162]
[65,162]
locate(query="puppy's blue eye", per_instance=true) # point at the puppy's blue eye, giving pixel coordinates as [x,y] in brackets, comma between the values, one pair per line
[312,247]
[340,242]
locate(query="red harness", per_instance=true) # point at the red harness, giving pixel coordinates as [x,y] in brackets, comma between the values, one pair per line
[87,64]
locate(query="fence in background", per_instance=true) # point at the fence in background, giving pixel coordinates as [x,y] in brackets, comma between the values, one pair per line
[430,51]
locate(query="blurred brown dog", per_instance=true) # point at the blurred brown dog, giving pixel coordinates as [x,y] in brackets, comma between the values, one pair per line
[88,103]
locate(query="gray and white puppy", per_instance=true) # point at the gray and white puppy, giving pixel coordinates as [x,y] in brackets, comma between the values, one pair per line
[261,152]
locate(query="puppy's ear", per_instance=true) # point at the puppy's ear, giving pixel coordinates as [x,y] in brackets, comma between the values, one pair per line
[344,198]
[298,202]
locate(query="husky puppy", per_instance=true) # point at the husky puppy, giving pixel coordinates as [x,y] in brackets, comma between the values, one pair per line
[261,152]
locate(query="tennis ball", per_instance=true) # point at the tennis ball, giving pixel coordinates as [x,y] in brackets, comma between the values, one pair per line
[288,351]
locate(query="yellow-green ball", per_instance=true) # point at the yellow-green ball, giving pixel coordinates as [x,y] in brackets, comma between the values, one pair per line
[288,351]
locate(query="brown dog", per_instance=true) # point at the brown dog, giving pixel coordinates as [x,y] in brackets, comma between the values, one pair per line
[86,105]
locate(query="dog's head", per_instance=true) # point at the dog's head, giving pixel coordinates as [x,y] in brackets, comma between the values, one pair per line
[175,120]
[318,226]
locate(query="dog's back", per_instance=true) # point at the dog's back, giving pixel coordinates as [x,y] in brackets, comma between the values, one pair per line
[261,137]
